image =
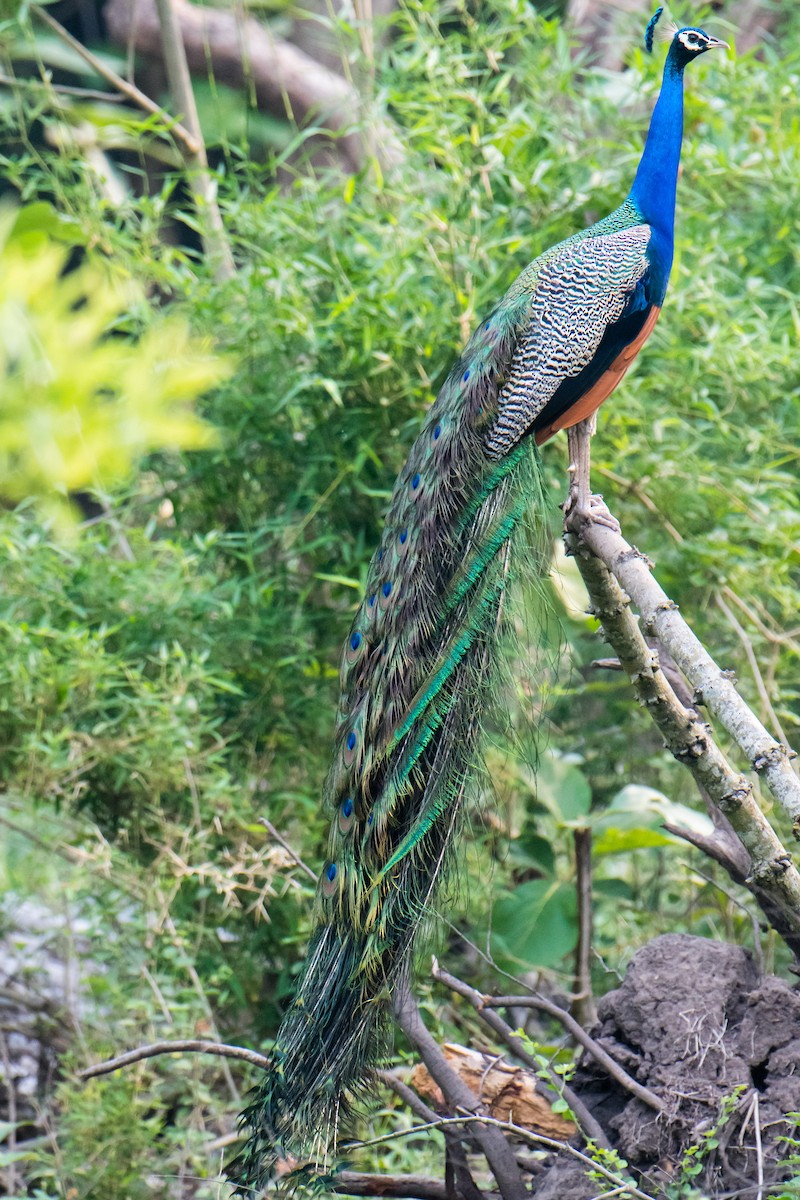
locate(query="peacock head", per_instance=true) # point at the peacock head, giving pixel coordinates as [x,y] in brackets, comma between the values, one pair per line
[687,43]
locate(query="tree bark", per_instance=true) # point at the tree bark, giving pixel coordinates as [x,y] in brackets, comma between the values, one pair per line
[244,54]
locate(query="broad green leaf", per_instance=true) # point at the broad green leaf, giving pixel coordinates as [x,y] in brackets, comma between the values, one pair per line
[618,889]
[635,806]
[535,849]
[620,841]
[536,925]
[563,789]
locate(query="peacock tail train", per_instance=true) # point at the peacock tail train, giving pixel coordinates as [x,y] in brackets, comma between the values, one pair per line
[419,662]
[416,671]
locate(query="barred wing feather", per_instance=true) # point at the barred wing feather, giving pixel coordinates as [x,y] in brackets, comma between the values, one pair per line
[581,293]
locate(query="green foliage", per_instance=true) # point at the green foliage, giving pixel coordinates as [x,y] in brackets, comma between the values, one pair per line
[791,1160]
[112,1159]
[81,406]
[612,1161]
[698,1156]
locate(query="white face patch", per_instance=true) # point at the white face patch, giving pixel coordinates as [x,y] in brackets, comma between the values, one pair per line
[691,40]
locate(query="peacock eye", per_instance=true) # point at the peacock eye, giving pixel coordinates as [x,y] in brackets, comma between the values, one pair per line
[329,885]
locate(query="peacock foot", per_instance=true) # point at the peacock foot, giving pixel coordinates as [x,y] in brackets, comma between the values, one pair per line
[587,509]
[598,513]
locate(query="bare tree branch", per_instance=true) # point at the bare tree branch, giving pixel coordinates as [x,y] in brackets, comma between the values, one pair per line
[484,1004]
[349,1183]
[457,1175]
[354,1183]
[190,1046]
[130,90]
[407,1095]
[204,188]
[498,1152]
[521,1134]
[713,687]
[62,89]
[281,840]
[244,54]
[773,878]
[583,1005]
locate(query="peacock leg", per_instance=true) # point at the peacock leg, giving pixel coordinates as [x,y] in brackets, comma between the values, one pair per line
[581,505]
[579,442]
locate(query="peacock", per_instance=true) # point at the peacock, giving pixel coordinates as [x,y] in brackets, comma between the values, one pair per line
[419,660]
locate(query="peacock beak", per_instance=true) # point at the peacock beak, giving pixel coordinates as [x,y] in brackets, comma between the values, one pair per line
[717,44]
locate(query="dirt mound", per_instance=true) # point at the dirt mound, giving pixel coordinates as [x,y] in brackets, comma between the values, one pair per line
[696,1022]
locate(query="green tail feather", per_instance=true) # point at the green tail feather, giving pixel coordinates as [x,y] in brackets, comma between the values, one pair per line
[416,678]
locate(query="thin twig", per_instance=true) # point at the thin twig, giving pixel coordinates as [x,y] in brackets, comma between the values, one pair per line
[281,840]
[484,1004]
[191,971]
[758,678]
[591,1129]
[583,1006]
[777,637]
[724,848]
[193,1046]
[274,74]
[635,489]
[28,1000]
[482,954]
[68,853]
[758,953]
[61,89]
[130,90]
[407,1095]
[152,983]
[759,1150]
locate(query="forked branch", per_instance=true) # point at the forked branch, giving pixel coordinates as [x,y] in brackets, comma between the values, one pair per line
[608,564]
[714,687]
[484,1006]
[494,1145]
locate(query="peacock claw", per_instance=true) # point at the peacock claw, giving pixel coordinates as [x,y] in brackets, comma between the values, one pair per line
[600,514]
[589,510]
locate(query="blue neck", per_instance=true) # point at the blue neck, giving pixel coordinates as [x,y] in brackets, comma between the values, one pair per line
[653,190]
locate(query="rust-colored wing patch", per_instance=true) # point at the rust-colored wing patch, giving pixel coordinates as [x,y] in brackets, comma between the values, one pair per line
[590,401]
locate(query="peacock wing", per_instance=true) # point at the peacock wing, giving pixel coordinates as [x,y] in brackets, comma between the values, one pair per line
[580,296]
